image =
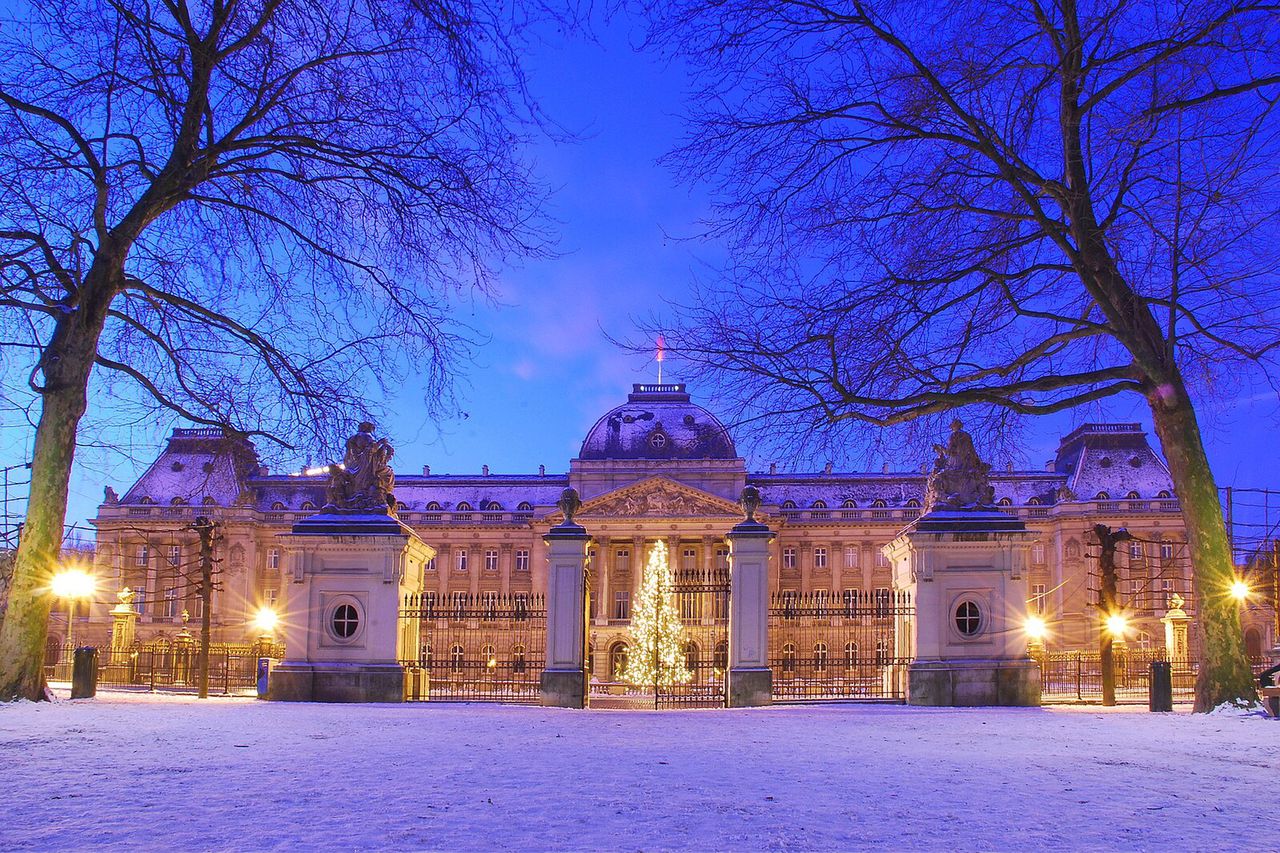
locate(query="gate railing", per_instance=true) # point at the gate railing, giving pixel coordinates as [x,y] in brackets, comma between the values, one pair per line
[476,648]
[169,665]
[853,647]
[1076,675]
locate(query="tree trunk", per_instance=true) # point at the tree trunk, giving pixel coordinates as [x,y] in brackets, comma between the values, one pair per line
[65,365]
[1224,669]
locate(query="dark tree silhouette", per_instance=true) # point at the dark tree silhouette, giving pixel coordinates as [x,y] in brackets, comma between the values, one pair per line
[251,211]
[1021,206]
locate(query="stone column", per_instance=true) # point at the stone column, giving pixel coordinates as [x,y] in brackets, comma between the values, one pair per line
[564,681]
[124,620]
[750,679]
[606,563]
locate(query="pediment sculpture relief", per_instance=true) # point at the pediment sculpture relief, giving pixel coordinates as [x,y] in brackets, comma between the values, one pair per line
[661,500]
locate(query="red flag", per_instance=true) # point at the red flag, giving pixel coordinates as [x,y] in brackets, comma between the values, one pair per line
[661,348]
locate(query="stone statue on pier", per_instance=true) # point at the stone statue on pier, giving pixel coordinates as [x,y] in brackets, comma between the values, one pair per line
[959,479]
[364,482]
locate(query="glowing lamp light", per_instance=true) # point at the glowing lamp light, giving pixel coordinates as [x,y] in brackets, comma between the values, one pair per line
[492,663]
[265,620]
[1035,628]
[1117,624]
[73,583]
[1239,589]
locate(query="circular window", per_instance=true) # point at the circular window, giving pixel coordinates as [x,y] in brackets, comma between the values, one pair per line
[657,441]
[968,619]
[345,621]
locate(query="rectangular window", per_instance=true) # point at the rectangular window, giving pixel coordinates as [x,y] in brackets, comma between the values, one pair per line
[175,555]
[271,596]
[491,560]
[459,605]
[431,565]
[884,600]
[169,609]
[273,559]
[522,560]
[722,558]
[788,558]
[819,558]
[851,556]
[820,598]
[689,559]
[460,559]
[622,560]
[691,606]
[882,559]
[1166,592]
[1166,550]
[622,604]
[1037,553]
[1135,550]
[143,555]
[140,598]
[1037,599]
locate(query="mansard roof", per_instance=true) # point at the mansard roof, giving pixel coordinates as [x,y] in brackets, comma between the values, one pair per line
[658,422]
[197,464]
[1111,459]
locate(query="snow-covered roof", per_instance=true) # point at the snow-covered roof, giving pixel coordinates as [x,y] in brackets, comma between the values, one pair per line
[196,464]
[658,422]
[1112,459]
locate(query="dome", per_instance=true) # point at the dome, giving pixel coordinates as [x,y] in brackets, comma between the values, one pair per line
[658,422]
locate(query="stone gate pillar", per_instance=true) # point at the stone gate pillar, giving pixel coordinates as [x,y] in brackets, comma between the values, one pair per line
[564,680]
[750,679]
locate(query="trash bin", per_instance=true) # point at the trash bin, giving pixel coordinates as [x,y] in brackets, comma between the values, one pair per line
[265,665]
[84,673]
[1161,697]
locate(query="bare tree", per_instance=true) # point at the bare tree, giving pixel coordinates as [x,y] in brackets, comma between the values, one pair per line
[1022,206]
[251,210]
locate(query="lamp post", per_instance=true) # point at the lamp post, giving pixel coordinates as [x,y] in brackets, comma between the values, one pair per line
[71,584]
[265,621]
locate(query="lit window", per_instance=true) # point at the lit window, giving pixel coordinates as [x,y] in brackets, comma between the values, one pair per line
[460,560]
[622,560]
[689,559]
[271,596]
[788,558]
[488,655]
[491,560]
[819,558]
[968,619]
[622,604]
[1037,599]
[722,558]
[851,556]
[522,560]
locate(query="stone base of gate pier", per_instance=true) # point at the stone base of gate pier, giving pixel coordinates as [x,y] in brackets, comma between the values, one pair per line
[966,683]
[563,688]
[337,682]
[750,687]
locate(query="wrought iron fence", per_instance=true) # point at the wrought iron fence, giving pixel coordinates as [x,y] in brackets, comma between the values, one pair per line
[855,647]
[1076,676]
[488,647]
[168,665]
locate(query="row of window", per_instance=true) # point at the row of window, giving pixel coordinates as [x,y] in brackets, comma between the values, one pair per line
[462,560]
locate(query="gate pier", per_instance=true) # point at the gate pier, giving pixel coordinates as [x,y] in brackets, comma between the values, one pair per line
[750,678]
[564,680]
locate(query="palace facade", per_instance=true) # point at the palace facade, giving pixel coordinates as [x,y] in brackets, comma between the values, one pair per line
[659,466]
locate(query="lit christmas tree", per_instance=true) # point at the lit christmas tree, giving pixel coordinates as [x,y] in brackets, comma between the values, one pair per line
[656,657]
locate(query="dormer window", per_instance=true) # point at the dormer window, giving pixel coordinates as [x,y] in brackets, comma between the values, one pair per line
[145,500]
[178,502]
[1004,502]
[878,504]
[1132,496]
[433,506]
[308,505]
[913,504]
[819,504]
[464,507]
[850,504]
[525,506]
[277,505]
[208,500]
[1102,496]
[788,504]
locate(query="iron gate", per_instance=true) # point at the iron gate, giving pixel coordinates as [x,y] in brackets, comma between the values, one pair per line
[857,647]
[701,597]
[489,647]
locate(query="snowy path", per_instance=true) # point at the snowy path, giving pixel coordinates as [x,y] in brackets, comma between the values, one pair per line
[168,772]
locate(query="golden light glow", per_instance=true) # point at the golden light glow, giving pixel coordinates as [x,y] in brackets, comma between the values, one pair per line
[73,583]
[492,663]
[1117,624]
[265,620]
[1239,589]
[1035,628]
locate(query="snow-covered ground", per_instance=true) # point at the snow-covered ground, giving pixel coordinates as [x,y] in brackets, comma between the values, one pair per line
[157,772]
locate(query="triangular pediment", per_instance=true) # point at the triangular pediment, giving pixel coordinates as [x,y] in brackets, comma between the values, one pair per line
[658,497]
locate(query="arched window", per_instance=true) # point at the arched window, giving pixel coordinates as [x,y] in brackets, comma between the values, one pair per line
[525,506]
[1033,502]
[145,500]
[401,506]
[882,652]
[850,504]
[691,658]
[277,505]
[1164,493]
[1004,502]
[820,657]
[819,504]
[878,504]
[464,507]
[425,656]
[850,655]
[1132,496]
[489,655]
[178,502]
[721,659]
[788,504]
[617,661]
[308,505]
[518,661]
[492,506]
[208,500]
[457,658]
[789,657]
[913,503]
[1102,496]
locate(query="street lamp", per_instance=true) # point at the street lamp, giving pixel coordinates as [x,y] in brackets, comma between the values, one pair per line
[71,584]
[1036,631]
[265,621]
[1117,625]
[1239,590]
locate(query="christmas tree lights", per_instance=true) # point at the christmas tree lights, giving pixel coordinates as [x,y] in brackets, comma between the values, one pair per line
[657,654]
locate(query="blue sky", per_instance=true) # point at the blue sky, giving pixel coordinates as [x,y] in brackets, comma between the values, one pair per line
[548,372]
